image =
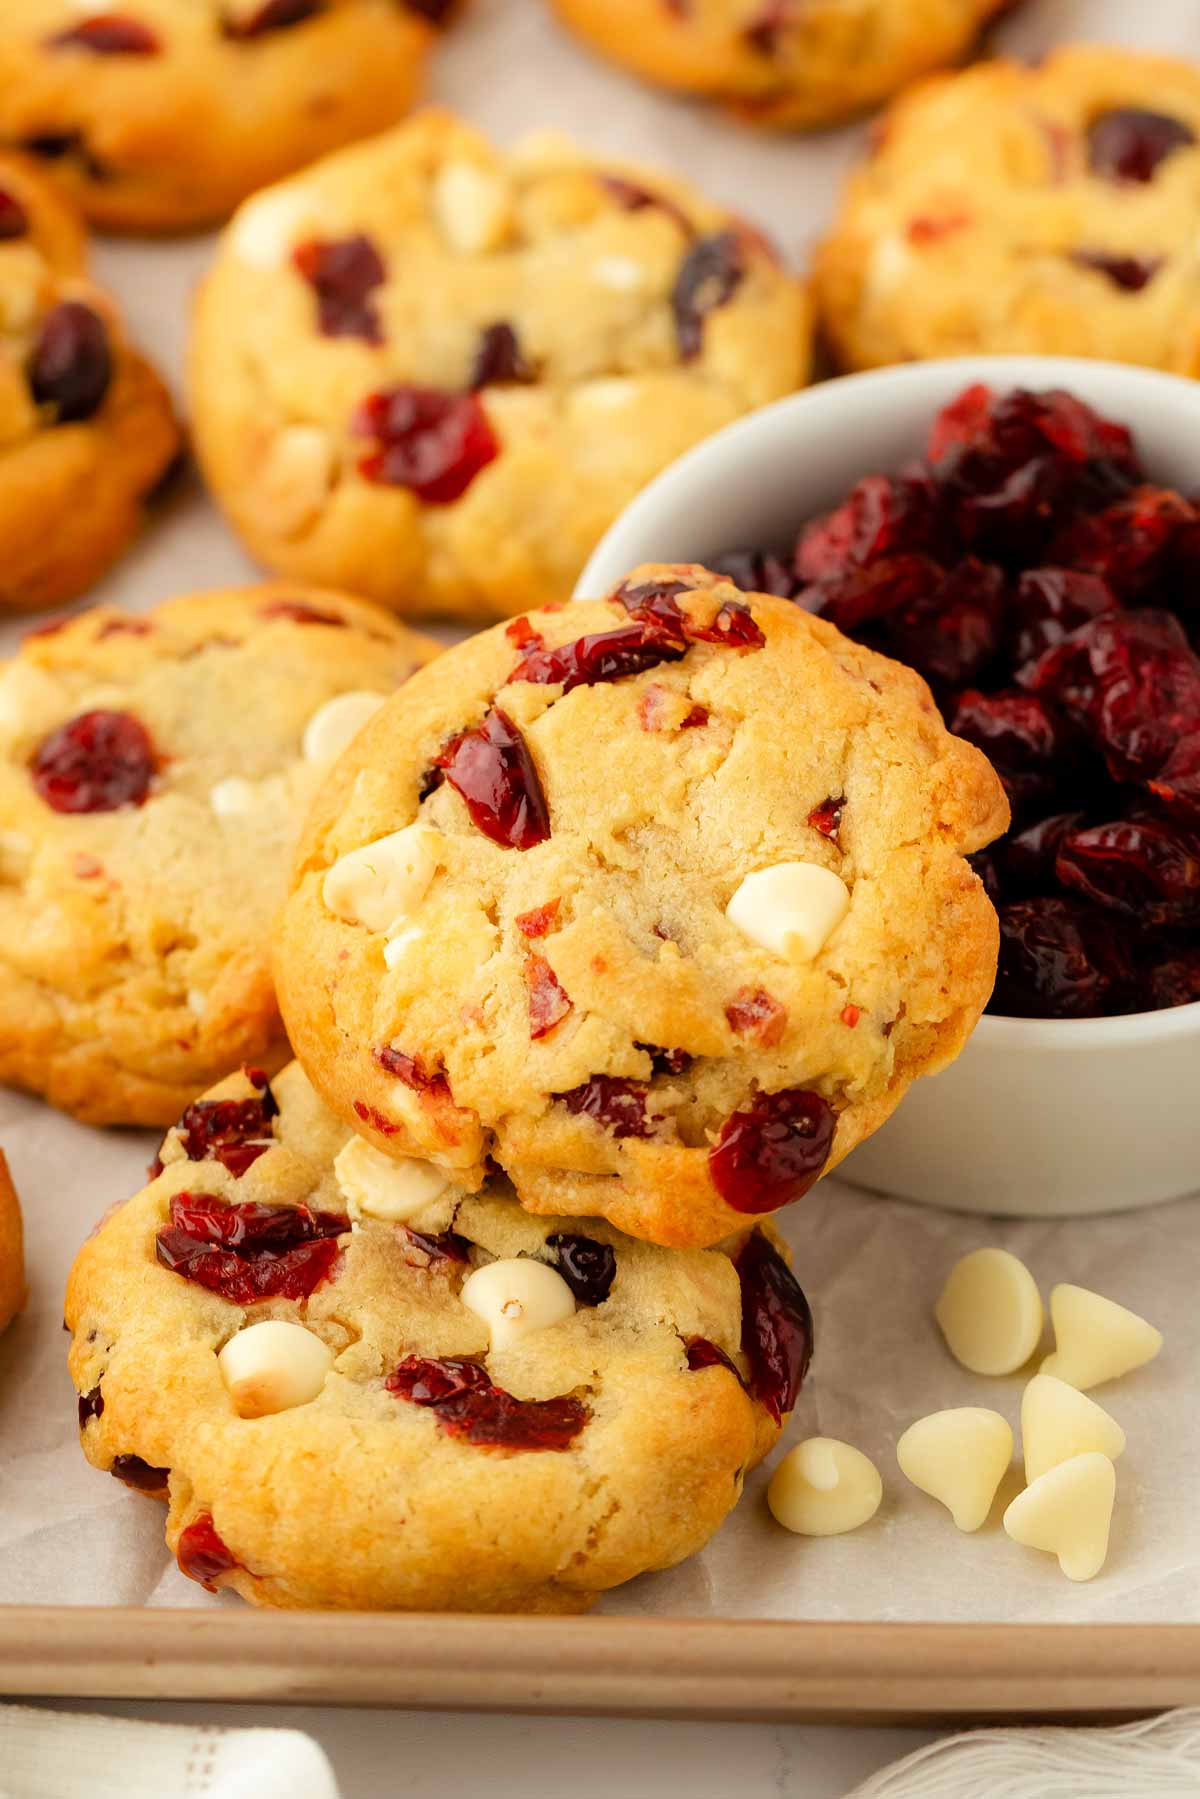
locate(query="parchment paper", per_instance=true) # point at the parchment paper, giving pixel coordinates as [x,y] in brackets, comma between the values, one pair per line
[872,1267]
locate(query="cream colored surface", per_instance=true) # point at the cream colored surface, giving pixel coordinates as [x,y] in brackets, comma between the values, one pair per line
[1095,1339]
[990,1312]
[1068,1513]
[1057,1422]
[272,1366]
[823,1488]
[958,1457]
[379,1186]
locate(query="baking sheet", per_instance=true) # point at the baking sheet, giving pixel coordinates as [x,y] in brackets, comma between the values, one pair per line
[872,1267]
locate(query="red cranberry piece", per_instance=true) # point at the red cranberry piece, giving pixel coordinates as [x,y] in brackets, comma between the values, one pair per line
[549,1002]
[777,1325]
[249,1252]
[1174,980]
[1128,142]
[299,612]
[863,596]
[70,367]
[881,516]
[1177,783]
[618,1105]
[601,656]
[1028,857]
[588,1267]
[1129,544]
[498,359]
[443,1246]
[412,1071]
[91,1405]
[540,921]
[14,220]
[469,1406]
[1012,728]
[697,717]
[952,634]
[756,571]
[768,25]
[1049,603]
[387,1127]
[1144,868]
[1130,273]
[522,633]
[1060,958]
[702,1352]
[709,276]
[97,762]
[753,1012]
[344,274]
[432,442]
[770,1153]
[493,771]
[234,1132]
[667,1061]
[201,1553]
[827,817]
[654,606]
[273,15]
[108,34]
[433,10]
[137,1473]
[636,198]
[733,626]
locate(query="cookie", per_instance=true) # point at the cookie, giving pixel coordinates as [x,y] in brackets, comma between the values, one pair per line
[657,901]
[86,427]
[1032,210]
[153,772]
[784,63]
[12,1254]
[434,373]
[162,115]
[358,1394]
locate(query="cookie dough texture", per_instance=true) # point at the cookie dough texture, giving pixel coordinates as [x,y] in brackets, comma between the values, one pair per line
[73,490]
[985,220]
[607,377]
[654,824]
[134,943]
[360,1499]
[12,1253]
[164,114]
[790,65]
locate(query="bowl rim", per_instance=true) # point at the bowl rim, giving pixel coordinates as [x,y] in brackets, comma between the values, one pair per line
[1000,1029]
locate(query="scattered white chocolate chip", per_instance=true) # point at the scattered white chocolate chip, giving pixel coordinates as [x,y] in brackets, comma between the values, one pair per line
[620,273]
[990,1312]
[1095,1339]
[381,883]
[266,227]
[335,725]
[233,797]
[295,476]
[959,1457]
[391,1188]
[1058,1422]
[823,1487]
[197,1000]
[1068,1512]
[472,207]
[395,950]
[273,1366]
[517,1295]
[792,909]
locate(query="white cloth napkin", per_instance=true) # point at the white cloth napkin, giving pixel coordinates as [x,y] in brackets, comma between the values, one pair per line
[69,1755]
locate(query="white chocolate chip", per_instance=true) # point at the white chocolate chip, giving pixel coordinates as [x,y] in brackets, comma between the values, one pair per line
[1095,1339]
[197,1000]
[396,949]
[472,207]
[958,1457]
[608,393]
[990,1312]
[265,229]
[792,909]
[380,884]
[1058,1422]
[233,797]
[393,1189]
[24,291]
[516,1296]
[823,1488]
[273,1366]
[296,476]
[621,273]
[1068,1512]
[889,264]
[335,725]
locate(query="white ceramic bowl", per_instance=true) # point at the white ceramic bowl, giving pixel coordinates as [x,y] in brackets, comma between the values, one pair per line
[1036,1118]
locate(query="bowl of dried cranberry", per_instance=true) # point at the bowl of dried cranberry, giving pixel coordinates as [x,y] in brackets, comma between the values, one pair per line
[1025,531]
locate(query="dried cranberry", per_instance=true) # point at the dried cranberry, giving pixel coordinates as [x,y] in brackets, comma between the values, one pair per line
[549,1001]
[770,1153]
[14,220]
[522,633]
[498,359]
[881,516]
[540,921]
[827,817]
[1012,728]
[108,34]
[756,571]
[618,1105]
[273,15]
[588,1267]
[601,656]
[136,1473]
[433,10]
[768,25]
[1127,143]
[201,1553]
[344,273]
[97,762]
[1060,958]
[667,1061]
[442,1246]
[1129,543]
[1145,868]
[468,1405]
[654,606]
[1051,602]
[70,365]
[1130,273]
[777,1325]
[753,1012]
[249,1252]
[432,442]
[702,1352]
[636,198]
[951,634]
[299,612]
[1028,857]
[497,778]
[863,596]
[91,1405]
[708,278]
[1177,783]
[1174,979]
[412,1071]
[234,1132]
[734,626]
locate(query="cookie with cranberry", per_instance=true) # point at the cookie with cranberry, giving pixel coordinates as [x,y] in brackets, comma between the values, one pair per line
[162,115]
[435,373]
[791,64]
[86,427]
[359,1386]
[153,773]
[658,901]
[12,1254]
[1044,210]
